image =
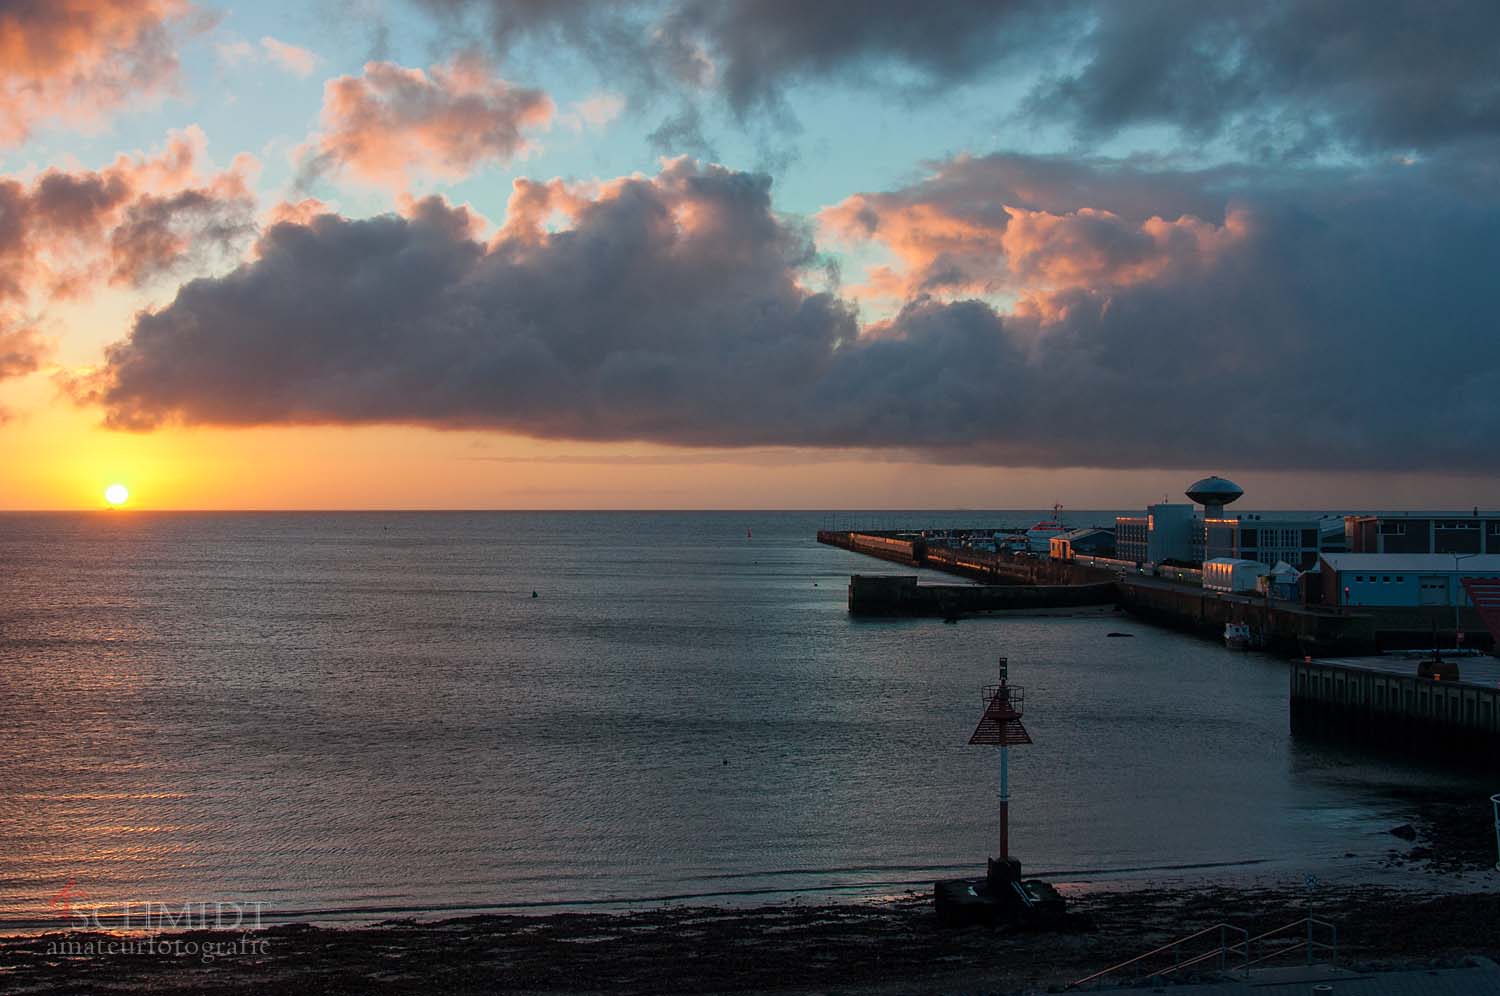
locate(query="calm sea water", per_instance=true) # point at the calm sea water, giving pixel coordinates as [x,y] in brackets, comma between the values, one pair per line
[370,712]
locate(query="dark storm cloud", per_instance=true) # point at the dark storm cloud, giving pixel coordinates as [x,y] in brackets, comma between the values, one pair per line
[751,51]
[669,299]
[1276,77]
[1367,73]
[1345,320]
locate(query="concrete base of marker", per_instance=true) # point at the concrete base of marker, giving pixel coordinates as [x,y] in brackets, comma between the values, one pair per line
[1001,897]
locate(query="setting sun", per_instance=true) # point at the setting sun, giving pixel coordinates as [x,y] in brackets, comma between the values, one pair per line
[116,494]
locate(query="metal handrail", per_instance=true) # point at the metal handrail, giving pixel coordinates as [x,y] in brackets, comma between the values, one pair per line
[1243,947]
[1310,943]
[1277,953]
[1221,928]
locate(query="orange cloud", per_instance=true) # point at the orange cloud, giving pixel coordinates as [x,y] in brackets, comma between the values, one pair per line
[76,60]
[296,212]
[937,248]
[64,233]
[293,58]
[949,242]
[392,124]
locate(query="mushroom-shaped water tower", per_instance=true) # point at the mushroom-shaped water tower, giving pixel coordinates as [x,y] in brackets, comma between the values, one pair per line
[1213,493]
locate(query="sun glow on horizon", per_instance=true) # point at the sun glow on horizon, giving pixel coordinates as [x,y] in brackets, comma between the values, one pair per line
[116,495]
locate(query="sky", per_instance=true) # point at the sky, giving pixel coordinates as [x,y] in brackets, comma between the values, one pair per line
[703,254]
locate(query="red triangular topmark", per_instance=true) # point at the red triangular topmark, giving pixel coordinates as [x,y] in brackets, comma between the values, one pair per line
[1001,723]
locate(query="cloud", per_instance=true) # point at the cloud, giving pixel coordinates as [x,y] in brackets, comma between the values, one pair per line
[137,219]
[1275,78]
[676,309]
[986,227]
[21,349]
[750,52]
[293,58]
[392,125]
[234,52]
[594,112]
[1288,77]
[74,61]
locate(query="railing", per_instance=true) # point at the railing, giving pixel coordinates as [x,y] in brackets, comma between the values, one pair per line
[1308,943]
[1318,938]
[1495,802]
[1220,953]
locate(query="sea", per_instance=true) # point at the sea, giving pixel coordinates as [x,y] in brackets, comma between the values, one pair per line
[366,715]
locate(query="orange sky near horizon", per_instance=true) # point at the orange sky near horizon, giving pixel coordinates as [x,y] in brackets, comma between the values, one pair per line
[58,457]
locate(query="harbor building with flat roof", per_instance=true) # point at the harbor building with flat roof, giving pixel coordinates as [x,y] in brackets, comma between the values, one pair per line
[1088,541]
[1402,580]
[1272,537]
[1424,532]
[1164,533]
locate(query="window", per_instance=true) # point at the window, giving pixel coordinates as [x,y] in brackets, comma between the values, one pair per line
[1400,579]
[1393,529]
[1386,579]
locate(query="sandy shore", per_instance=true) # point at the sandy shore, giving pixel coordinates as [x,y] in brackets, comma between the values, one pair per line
[1444,906]
[891,947]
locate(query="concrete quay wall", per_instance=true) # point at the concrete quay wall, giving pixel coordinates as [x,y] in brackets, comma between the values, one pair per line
[1285,628]
[902,595]
[1401,712]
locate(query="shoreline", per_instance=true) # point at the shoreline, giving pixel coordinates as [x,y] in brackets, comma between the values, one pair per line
[890,946]
[1433,901]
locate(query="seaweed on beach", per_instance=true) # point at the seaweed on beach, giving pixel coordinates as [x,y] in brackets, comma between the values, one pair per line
[891,947]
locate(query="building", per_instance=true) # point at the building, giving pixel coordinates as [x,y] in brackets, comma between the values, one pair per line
[1424,532]
[1402,580]
[1179,532]
[1228,574]
[1086,542]
[1294,537]
[1164,533]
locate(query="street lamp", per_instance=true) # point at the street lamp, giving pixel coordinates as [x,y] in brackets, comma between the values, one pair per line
[1455,590]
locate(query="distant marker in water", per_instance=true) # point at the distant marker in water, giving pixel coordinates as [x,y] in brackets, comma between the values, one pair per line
[533,594]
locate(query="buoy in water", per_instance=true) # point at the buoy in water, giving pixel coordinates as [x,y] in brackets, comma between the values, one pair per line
[533,594]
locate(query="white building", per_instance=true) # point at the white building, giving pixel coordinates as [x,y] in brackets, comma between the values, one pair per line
[1403,580]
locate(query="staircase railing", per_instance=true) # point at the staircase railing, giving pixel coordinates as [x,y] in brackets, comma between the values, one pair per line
[1312,941]
[1317,939]
[1221,953]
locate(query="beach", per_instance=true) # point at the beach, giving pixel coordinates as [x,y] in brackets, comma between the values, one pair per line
[890,947]
[1437,907]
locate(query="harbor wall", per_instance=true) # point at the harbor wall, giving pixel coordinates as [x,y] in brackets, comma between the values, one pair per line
[902,595]
[990,568]
[1400,712]
[1283,627]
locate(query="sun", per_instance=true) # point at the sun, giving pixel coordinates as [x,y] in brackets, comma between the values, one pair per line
[116,494]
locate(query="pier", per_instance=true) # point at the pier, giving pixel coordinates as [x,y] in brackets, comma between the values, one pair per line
[903,595]
[1381,699]
[1024,583]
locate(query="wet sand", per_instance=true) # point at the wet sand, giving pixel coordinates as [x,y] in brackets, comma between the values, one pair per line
[895,946]
[1444,907]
